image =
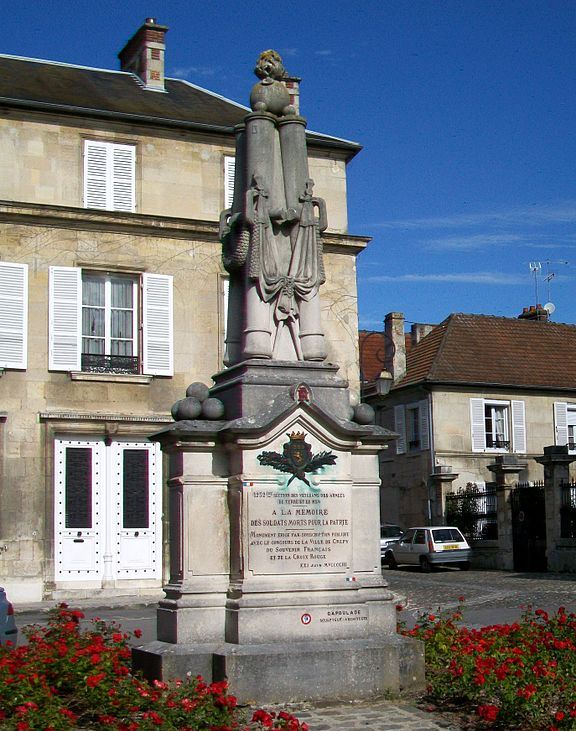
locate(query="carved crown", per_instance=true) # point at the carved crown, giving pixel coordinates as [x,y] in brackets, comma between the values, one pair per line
[297,435]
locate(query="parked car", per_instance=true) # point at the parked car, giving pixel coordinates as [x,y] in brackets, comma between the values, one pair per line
[389,534]
[429,546]
[8,630]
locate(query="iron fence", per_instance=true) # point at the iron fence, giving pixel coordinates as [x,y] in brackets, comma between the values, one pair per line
[473,509]
[568,510]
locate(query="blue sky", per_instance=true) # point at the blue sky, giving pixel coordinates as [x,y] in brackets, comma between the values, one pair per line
[466,110]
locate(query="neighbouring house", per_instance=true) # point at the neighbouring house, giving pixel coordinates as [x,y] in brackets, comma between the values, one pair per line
[113,300]
[467,391]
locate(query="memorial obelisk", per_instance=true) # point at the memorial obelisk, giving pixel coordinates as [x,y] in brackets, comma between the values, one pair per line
[275,577]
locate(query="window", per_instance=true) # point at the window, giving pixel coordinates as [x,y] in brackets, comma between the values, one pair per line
[412,424]
[229,169]
[109,176]
[13,315]
[95,319]
[497,426]
[109,324]
[413,427]
[565,424]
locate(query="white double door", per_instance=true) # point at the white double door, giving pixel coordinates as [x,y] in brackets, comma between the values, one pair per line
[108,505]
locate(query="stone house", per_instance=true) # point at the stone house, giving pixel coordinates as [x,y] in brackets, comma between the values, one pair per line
[469,391]
[112,302]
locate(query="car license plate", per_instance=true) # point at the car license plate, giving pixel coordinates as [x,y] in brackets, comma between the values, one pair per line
[451,548]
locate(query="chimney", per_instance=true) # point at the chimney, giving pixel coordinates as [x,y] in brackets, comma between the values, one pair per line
[534,313]
[395,359]
[292,83]
[143,55]
[418,331]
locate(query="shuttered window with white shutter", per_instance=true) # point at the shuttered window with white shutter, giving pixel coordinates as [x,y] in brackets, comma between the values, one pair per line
[565,424]
[400,429]
[158,337]
[109,176]
[13,315]
[493,422]
[229,169]
[94,322]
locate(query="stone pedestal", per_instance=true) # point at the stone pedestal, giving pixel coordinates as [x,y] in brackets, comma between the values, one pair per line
[505,469]
[560,552]
[275,578]
[440,483]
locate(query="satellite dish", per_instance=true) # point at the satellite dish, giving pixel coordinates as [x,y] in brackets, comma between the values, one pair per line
[550,307]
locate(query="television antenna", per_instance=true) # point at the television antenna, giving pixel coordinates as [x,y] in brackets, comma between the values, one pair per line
[536,269]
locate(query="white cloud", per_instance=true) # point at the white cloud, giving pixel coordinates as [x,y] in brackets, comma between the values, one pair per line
[528,215]
[477,241]
[458,277]
[325,52]
[183,72]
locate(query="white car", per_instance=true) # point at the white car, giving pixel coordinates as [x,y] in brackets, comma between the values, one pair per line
[8,630]
[389,534]
[428,546]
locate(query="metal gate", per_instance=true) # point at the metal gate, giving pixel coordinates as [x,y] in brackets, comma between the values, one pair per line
[529,526]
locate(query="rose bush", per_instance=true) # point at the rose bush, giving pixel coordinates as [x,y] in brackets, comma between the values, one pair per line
[520,675]
[70,677]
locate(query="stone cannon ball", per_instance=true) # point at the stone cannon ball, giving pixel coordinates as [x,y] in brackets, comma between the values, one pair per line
[212,408]
[198,390]
[364,414]
[269,97]
[188,408]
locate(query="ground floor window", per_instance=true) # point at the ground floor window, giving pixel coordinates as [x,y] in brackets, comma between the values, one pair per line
[107,510]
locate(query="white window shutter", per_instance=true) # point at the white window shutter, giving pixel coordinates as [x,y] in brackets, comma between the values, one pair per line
[561,422]
[65,319]
[158,349]
[478,432]
[123,167]
[95,174]
[424,424]
[400,428]
[229,169]
[13,315]
[518,427]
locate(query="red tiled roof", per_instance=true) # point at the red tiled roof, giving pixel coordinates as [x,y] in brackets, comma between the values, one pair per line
[483,349]
[372,351]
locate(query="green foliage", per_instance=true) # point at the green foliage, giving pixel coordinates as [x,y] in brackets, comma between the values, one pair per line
[67,678]
[512,676]
[462,510]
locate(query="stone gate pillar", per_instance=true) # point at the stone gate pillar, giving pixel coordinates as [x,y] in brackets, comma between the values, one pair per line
[560,553]
[440,483]
[505,468]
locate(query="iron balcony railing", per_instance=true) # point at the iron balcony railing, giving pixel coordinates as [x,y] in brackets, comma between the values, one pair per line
[95,363]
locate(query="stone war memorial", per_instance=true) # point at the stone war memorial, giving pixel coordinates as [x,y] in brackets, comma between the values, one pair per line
[275,577]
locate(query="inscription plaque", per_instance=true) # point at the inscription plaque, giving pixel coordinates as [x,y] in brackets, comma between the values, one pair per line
[299,530]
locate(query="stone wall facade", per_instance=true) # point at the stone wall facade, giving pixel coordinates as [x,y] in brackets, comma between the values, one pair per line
[174,231]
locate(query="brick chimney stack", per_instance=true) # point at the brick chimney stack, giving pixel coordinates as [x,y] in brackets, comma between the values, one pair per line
[534,313]
[395,342]
[143,55]
[292,83]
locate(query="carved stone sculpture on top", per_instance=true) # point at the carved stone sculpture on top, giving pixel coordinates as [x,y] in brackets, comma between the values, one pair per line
[271,236]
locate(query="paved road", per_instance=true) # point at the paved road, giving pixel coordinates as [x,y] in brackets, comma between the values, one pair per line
[490,597]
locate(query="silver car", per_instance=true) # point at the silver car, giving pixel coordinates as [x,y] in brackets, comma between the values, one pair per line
[8,630]
[428,546]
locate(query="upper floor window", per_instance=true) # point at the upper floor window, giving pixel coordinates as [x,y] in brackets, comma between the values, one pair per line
[497,426]
[96,319]
[109,176]
[411,422]
[13,315]
[565,424]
